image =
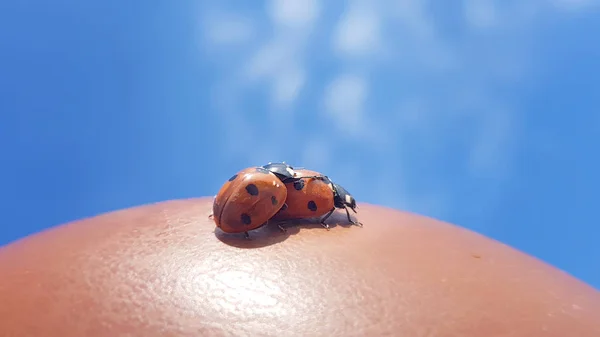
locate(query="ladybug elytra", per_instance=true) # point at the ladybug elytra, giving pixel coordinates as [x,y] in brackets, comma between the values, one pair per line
[248,200]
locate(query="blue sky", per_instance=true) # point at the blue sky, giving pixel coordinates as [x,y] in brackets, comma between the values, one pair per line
[478,112]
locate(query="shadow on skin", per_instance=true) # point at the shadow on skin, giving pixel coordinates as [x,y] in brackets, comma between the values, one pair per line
[270,234]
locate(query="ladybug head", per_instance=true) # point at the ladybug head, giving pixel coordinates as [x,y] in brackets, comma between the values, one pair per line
[343,198]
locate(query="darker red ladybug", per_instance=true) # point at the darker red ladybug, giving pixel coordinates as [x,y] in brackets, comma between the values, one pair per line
[307,197]
[248,200]
[315,196]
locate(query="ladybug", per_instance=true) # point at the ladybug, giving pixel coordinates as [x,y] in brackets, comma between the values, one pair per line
[307,197]
[315,196]
[248,200]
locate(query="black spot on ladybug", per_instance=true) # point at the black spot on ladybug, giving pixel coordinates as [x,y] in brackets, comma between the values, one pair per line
[299,184]
[273,200]
[233,177]
[312,206]
[246,219]
[262,170]
[284,207]
[252,189]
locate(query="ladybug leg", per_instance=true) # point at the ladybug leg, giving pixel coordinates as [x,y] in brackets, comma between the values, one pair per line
[281,228]
[211,216]
[352,221]
[246,236]
[323,223]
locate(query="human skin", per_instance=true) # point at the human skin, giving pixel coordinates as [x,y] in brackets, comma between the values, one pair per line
[164,270]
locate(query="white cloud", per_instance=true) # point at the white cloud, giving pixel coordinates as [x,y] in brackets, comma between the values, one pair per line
[280,60]
[267,60]
[316,154]
[358,31]
[345,98]
[480,13]
[398,79]
[575,4]
[411,16]
[287,84]
[278,64]
[295,14]
[229,29]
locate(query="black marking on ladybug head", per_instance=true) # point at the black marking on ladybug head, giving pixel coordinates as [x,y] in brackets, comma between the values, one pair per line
[252,189]
[233,177]
[283,171]
[312,205]
[299,185]
[246,219]
[274,200]
[262,170]
[342,198]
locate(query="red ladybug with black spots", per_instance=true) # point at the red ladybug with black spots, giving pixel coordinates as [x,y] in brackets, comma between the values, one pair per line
[248,200]
[314,195]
